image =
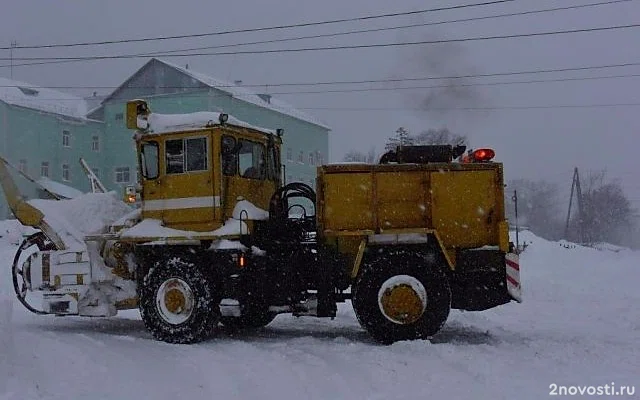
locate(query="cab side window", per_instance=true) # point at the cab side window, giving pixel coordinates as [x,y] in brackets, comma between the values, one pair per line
[243,157]
[251,160]
[186,155]
[273,172]
[149,160]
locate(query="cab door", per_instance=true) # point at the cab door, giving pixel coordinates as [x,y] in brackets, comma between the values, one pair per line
[247,173]
[182,195]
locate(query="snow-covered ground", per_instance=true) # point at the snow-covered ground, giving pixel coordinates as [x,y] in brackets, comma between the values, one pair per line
[579,325]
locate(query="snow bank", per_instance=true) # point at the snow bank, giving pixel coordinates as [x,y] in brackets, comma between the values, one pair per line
[6,337]
[86,214]
[13,232]
[579,324]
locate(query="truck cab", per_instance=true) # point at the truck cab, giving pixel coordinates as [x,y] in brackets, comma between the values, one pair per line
[193,175]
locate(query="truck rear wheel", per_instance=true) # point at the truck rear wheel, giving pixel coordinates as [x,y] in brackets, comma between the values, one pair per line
[176,302]
[400,296]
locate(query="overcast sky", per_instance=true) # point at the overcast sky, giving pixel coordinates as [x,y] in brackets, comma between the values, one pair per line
[539,143]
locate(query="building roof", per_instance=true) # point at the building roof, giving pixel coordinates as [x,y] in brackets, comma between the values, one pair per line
[248,96]
[236,91]
[42,99]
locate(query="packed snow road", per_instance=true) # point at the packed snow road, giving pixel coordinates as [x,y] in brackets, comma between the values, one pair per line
[579,326]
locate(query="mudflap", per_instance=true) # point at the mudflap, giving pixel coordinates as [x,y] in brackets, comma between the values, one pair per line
[512,264]
[481,280]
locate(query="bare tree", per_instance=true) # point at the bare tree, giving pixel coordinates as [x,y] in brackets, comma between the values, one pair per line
[607,212]
[428,137]
[401,138]
[440,136]
[538,207]
[359,156]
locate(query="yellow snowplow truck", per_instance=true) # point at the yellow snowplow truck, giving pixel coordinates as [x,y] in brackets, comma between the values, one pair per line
[217,237]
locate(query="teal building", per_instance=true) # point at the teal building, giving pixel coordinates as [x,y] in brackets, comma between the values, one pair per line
[44,132]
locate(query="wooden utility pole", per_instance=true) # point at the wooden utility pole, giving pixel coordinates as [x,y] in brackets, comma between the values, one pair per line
[13,45]
[573,186]
[580,208]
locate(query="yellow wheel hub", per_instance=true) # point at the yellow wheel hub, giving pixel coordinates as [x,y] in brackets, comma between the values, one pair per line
[402,304]
[175,301]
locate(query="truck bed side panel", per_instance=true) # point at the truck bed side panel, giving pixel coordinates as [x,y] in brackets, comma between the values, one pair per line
[463,203]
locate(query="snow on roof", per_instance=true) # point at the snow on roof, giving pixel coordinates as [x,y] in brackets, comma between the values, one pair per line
[161,123]
[248,96]
[59,188]
[38,98]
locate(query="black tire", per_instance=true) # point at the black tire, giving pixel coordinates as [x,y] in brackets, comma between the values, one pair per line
[171,279]
[387,264]
[251,318]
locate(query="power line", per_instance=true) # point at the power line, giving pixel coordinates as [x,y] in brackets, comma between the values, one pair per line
[353,90]
[396,80]
[262,29]
[460,85]
[345,47]
[326,35]
[347,32]
[532,107]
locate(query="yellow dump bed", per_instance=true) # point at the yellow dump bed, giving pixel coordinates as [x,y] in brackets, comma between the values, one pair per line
[463,203]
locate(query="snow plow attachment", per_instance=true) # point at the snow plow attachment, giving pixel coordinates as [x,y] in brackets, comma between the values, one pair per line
[59,264]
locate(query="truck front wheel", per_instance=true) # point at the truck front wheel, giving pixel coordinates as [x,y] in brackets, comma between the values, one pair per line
[400,296]
[176,302]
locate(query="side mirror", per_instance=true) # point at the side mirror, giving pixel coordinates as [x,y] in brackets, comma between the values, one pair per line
[228,145]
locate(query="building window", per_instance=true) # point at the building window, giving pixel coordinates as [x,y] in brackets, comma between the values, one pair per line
[312,160]
[119,116]
[22,166]
[95,143]
[289,154]
[66,172]
[66,138]
[301,157]
[123,175]
[44,169]
[318,158]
